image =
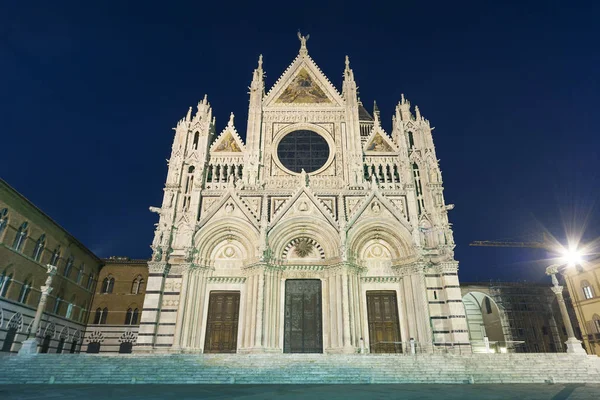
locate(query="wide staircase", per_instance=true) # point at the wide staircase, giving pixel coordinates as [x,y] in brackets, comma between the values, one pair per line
[299,368]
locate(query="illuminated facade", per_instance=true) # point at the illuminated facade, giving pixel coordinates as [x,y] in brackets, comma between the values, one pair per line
[318,233]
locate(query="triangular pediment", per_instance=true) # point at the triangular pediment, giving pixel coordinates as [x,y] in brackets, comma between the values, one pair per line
[228,141]
[303,84]
[230,205]
[379,142]
[377,206]
[303,89]
[304,204]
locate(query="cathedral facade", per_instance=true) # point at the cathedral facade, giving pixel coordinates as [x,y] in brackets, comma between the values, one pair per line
[320,233]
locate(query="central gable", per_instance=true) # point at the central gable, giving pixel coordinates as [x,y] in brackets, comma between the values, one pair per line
[303,84]
[303,89]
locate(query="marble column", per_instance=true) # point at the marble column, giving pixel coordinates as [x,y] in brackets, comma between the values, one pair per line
[30,345]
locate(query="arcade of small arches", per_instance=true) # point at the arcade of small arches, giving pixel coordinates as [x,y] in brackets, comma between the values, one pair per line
[14,327]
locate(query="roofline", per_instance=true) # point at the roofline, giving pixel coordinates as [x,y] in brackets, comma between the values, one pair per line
[126,261]
[39,210]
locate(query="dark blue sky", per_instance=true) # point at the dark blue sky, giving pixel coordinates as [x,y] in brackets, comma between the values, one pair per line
[89,95]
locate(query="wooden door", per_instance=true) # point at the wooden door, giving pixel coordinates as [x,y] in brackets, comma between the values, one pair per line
[222,323]
[303,328]
[384,326]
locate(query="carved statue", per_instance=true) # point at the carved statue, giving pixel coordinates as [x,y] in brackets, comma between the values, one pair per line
[303,39]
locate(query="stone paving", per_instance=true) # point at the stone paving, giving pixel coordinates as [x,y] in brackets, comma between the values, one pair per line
[312,392]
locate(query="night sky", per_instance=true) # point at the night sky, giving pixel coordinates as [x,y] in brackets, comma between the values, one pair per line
[89,95]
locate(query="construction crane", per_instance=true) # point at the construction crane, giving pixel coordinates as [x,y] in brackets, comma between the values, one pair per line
[545,243]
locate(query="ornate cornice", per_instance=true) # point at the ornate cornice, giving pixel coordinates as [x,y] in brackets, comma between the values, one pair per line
[158,267]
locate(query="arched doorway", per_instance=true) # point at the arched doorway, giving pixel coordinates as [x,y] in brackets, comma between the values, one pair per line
[484,320]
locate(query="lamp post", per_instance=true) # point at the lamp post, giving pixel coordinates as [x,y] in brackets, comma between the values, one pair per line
[30,345]
[573,345]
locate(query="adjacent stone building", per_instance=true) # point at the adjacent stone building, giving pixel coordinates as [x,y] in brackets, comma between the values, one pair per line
[521,317]
[29,240]
[115,314]
[319,233]
[583,283]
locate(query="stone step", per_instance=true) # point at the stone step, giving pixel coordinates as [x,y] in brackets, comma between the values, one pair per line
[300,368]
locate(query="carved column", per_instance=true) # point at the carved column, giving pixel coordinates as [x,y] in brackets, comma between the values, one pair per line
[181,317]
[30,345]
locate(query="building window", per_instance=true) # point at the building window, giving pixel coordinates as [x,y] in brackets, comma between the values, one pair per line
[5,282]
[20,237]
[132,316]
[3,221]
[57,306]
[588,291]
[488,305]
[55,256]
[101,315]
[82,311]
[68,267]
[597,323]
[136,287]
[80,273]
[69,310]
[196,138]
[411,140]
[90,281]
[108,284]
[39,248]
[25,290]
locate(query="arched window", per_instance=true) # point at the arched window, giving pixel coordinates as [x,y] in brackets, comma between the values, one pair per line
[90,281]
[80,273]
[196,137]
[55,256]
[98,316]
[488,305]
[596,319]
[128,316]
[411,140]
[57,304]
[68,266]
[82,311]
[5,282]
[104,315]
[3,221]
[39,247]
[108,284]
[25,290]
[70,307]
[136,287]
[135,317]
[20,237]
[588,291]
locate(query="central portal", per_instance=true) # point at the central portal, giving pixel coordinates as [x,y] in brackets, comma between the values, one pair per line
[303,329]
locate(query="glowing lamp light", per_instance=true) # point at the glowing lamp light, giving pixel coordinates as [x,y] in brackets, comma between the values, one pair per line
[571,257]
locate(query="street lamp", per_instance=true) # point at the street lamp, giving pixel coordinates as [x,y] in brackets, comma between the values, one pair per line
[30,345]
[571,258]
